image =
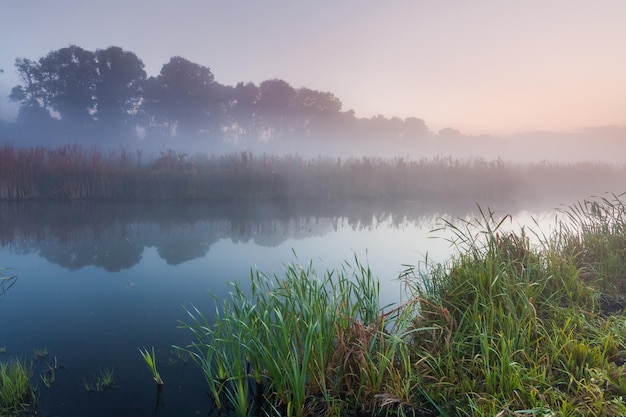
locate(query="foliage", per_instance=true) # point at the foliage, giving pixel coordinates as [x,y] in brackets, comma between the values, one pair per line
[513,324]
[15,389]
[302,344]
[515,329]
[150,359]
[104,380]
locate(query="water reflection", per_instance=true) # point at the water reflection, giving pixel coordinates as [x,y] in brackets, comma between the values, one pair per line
[113,236]
[6,281]
[98,280]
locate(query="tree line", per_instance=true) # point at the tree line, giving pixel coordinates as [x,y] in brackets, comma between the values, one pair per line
[107,93]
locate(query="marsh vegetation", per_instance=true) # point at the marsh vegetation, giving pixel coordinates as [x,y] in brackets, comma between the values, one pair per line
[78,173]
[515,323]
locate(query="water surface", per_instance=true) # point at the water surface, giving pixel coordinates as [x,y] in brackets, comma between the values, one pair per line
[98,280]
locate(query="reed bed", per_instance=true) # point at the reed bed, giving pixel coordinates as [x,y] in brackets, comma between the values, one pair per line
[516,323]
[78,173]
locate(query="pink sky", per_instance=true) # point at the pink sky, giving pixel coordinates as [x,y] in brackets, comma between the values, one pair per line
[488,67]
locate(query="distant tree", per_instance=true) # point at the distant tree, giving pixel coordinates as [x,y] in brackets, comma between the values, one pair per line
[313,110]
[119,86]
[414,128]
[450,133]
[32,92]
[64,82]
[183,99]
[276,108]
[242,107]
[70,80]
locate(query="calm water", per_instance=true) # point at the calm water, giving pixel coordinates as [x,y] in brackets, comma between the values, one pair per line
[98,280]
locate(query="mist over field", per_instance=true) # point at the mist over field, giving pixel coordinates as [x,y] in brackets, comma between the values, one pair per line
[105,99]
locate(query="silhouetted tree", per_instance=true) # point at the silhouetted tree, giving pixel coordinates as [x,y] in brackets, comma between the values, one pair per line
[80,88]
[275,108]
[119,86]
[414,128]
[242,108]
[313,109]
[183,99]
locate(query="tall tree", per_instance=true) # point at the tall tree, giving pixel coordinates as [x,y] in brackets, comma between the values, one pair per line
[183,98]
[276,108]
[242,111]
[71,83]
[119,86]
[313,110]
[62,82]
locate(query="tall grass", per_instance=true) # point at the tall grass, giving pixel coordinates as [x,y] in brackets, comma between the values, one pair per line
[300,344]
[516,329]
[75,172]
[513,324]
[15,389]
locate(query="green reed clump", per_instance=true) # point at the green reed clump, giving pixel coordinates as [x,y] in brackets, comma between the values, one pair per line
[515,323]
[303,344]
[510,328]
[15,389]
[149,358]
[597,235]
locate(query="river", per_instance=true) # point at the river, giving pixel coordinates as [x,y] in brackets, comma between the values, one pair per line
[98,280]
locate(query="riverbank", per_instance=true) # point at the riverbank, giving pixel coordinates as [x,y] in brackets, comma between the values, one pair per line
[514,323]
[506,327]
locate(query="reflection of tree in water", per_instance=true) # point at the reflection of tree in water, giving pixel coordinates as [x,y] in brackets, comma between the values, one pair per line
[183,242]
[113,236]
[110,252]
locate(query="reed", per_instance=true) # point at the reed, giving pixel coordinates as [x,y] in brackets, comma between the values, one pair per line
[510,328]
[149,358]
[299,344]
[75,172]
[40,353]
[104,380]
[15,389]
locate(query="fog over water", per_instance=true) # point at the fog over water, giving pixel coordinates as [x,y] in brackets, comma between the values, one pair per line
[151,154]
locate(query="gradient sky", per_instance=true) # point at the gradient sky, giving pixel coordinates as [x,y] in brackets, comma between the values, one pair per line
[483,67]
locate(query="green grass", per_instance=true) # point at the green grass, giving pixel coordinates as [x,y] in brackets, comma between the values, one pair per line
[515,323]
[15,389]
[303,343]
[104,380]
[150,360]
[40,353]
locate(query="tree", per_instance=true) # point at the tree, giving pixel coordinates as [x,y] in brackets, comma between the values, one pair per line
[63,82]
[119,85]
[70,78]
[275,108]
[414,128]
[313,109]
[242,107]
[183,98]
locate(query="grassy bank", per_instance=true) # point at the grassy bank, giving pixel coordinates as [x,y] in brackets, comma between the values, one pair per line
[74,173]
[505,328]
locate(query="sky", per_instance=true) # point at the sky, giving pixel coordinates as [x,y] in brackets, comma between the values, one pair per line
[483,67]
